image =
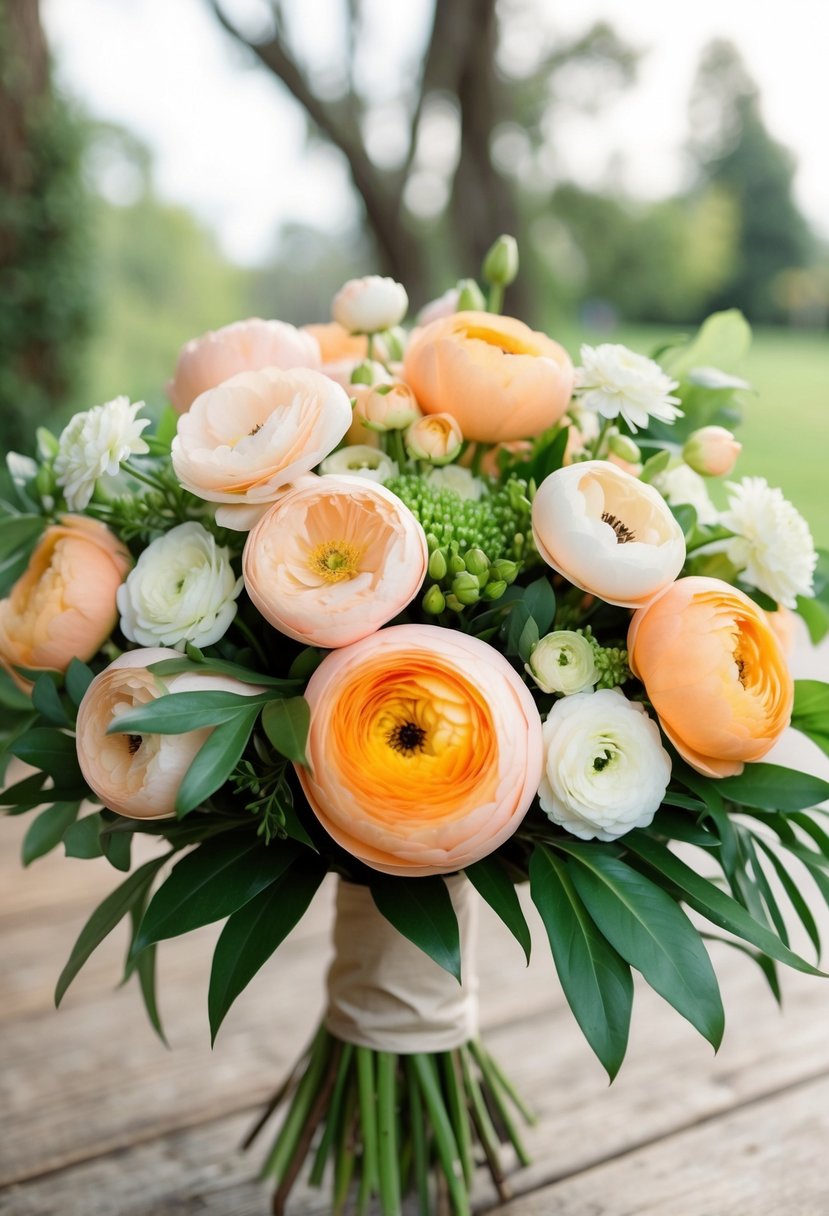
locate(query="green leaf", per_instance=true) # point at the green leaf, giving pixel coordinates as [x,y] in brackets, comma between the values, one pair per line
[47,748]
[117,848]
[174,667]
[816,616]
[550,456]
[540,599]
[811,711]
[83,838]
[770,787]
[652,933]
[177,713]
[214,881]
[713,903]
[12,697]
[252,934]
[104,919]
[20,534]
[655,465]
[490,880]
[77,680]
[677,826]
[46,831]
[306,663]
[286,724]
[723,341]
[767,965]
[47,702]
[215,761]
[527,639]
[27,793]
[421,909]
[595,979]
[793,893]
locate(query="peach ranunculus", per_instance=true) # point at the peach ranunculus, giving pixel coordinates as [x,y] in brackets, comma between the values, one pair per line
[715,674]
[333,561]
[244,346]
[138,776]
[435,437]
[711,451]
[244,442]
[497,377]
[63,605]
[336,343]
[358,432]
[424,750]
[607,532]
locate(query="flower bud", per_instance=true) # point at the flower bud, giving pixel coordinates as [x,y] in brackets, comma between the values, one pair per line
[435,437]
[394,341]
[477,562]
[434,601]
[369,372]
[453,603]
[711,451]
[501,263]
[365,306]
[456,563]
[470,297]
[505,569]
[47,443]
[390,407]
[437,565]
[624,447]
[563,662]
[465,587]
[494,591]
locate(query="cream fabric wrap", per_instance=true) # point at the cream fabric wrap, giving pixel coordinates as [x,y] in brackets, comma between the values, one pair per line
[385,993]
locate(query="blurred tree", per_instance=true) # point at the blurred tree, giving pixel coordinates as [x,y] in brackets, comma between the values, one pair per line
[44,259]
[434,207]
[734,152]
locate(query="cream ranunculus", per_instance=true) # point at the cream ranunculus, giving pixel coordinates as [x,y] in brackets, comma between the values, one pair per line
[607,532]
[605,769]
[139,775]
[617,383]
[460,481]
[181,590]
[772,546]
[333,561]
[244,442]
[563,662]
[97,442]
[365,306]
[360,460]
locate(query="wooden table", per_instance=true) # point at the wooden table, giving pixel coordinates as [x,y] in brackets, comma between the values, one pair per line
[97,1118]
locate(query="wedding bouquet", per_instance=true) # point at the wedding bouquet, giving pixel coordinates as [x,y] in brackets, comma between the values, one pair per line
[440,614]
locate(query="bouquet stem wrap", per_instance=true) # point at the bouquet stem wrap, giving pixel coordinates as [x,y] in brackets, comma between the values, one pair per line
[385,993]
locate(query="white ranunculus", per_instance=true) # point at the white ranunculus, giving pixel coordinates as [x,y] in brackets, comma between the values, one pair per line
[94,443]
[182,589]
[605,769]
[360,460]
[772,547]
[459,480]
[370,304]
[680,485]
[563,662]
[615,382]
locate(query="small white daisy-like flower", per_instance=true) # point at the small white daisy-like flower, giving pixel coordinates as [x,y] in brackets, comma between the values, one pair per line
[615,382]
[772,546]
[94,443]
[360,460]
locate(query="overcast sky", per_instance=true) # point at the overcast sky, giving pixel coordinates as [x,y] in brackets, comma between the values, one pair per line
[230,145]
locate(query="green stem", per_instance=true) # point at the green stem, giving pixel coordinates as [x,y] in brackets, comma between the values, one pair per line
[388,1165]
[333,1117]
[147,478]
[344,1162]
[483,1123]
[478,450]
[458,1112]
[300,1107]
[495,299]
[368,1126]
[505,1083]
[398,452]
[447,1149]
[251,639]
[494,1091]
[370,347]
[596,446]
[418,1135]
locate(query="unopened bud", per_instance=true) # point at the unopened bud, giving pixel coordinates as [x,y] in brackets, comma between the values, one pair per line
[711,451]
[624,447]
[476,561]
[434,601]
[501,263]
[505,569]
[437,565]
[494,591]
[456,563]
[470,296]
[369,372]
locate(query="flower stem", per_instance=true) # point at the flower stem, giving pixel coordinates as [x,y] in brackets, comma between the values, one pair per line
[426,1071]
[596,447]
[140,475]
[418,1134]
[388,1165]
[368,1127]
[495,301]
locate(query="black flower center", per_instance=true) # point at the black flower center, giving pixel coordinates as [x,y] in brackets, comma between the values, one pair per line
[623,532]
[133,743]
[406,737]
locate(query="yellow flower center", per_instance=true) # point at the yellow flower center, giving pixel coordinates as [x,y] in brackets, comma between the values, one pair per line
[335,560]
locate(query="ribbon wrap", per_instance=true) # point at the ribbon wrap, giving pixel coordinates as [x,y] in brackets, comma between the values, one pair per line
[385,993]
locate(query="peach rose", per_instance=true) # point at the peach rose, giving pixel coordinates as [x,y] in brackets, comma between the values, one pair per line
[424,751]
[333,561]
[63,605]
[498,378]
[244,346]
[714,672]
[247,440]
[607,532]
[139,775]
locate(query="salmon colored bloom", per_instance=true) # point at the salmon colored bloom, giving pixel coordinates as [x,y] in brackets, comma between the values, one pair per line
[714,672]
[247,440]
[334,560]
[711,451]
[336,343]
[63,605]
[424,749]
[244,346]
[435,437]
[494,375]
[139,775]
[358,432]
[607,532]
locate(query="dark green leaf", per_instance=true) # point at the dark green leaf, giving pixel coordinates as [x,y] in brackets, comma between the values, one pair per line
[490,880]
[252,934]
[174,667]
[215,761]
[117,848]
[685,515]
[306,663]
[811,711]
[595,979]
[421,909]
[527,639]
[792,891]
[47,748]
[652,933]
[773,788]
[763,888]
[816,616]
[83,839]
[11,696]
[144,966]
[104,919]
[540,599]
[26,793]
[47,702]
[20,534]
[767,965]
[77,680]
[178,712]
[286,724]
[46,831]
[677,826]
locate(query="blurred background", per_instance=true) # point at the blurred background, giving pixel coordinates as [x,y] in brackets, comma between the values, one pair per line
[166,168]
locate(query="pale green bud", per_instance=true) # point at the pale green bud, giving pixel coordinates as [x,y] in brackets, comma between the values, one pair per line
[437,565]
[501,263]
[624,447]
[465,587]
[369,372]
[470,296]
[505,569]
[434,601]
[47,444]
[476,562]
[456,563]
[453,603]
[494,590]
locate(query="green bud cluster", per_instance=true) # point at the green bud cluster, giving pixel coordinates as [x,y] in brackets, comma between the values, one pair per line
[611,661]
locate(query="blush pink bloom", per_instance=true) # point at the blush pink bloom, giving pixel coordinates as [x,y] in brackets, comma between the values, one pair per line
[334,560]
[138,776]
[364,306]
[244,346]
[711,451]
[425,749]
[63,605]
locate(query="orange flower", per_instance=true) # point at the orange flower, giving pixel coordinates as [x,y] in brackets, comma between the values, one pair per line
[715,674]
[494,375]
[424,749]
[63,606]
[336,343]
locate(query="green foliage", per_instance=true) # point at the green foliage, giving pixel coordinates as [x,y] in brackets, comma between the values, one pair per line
[421,909]
[491,881]
[811,711]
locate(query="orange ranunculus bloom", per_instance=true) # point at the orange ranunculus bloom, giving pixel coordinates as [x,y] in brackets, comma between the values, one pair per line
[715,674]
[63,605]
[424,750]
[336,343]
[494,375]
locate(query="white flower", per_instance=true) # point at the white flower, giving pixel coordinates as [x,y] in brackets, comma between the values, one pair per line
[772,547]
[563,662]
[182,589]
[96,442]
[364,306]
[360,460]
[605,769]
[679,485]
[614,381]
[457,479]
[22,469]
